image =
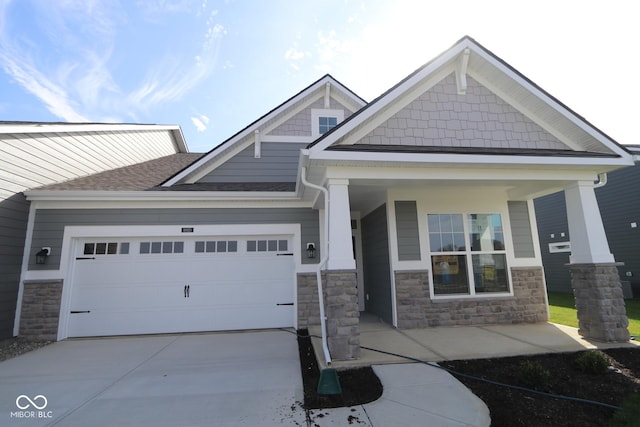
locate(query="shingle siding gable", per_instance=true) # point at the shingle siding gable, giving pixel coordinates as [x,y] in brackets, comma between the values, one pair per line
[480,119]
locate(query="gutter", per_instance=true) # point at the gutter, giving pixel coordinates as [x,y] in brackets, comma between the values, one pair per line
[602,180]
[321,264]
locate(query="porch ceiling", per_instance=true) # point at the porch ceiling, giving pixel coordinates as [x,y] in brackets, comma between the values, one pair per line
[365,194]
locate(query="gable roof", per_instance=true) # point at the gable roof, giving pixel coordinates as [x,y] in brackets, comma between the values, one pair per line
[469,58]
[286,109]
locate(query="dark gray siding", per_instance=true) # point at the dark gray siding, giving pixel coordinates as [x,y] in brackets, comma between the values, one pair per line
[619,203]
[49,223]
[551,215]
[521,229]
[278,163]
[407,226]
[14,213]
[375,260]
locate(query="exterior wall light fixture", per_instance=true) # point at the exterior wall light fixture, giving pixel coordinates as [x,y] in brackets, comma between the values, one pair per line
[311,250]
[42,255]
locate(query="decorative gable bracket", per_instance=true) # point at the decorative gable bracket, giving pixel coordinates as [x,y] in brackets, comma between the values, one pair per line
[461,71]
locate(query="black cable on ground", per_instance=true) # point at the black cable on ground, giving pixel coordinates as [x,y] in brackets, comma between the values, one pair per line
[472,377]
[497,383]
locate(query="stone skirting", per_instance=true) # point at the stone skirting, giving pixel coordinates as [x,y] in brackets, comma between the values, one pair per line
[343,316]
[415,308]
[308,305]
[600,302]
[40,310]
[340,306]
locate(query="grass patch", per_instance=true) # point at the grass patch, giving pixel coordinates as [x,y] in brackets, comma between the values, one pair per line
[562,311]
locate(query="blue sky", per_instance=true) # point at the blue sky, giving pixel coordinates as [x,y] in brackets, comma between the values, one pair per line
[213,67]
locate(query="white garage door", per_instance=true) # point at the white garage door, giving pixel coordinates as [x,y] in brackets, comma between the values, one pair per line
[160,285]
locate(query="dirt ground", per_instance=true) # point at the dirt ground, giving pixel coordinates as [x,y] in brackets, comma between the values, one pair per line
[508,407]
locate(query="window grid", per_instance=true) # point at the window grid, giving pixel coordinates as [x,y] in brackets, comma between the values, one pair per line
[216,246]
[468,255]
[325,124]
[161,247]
[272,245]
[105,248]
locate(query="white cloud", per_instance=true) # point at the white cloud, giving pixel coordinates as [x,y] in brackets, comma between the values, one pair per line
[200,122]
[54,97]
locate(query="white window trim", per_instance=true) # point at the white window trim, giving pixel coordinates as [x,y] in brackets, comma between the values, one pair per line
[316,113]
[468,254]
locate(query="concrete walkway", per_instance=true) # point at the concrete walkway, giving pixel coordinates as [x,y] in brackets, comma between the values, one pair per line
[462,342]
[216,379]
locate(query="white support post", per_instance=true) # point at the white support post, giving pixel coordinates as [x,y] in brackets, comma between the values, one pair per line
[327,96]
[588,239]
[340,242]
[461,72]
[257,145]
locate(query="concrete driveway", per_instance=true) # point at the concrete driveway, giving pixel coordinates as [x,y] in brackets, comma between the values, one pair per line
[222,379]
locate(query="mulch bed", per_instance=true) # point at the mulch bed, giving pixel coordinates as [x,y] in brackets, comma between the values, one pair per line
[359,386]
[508,407]
[513,408]
[12,347]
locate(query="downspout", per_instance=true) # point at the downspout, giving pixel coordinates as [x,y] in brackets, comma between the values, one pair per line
[602,180]
[323,261]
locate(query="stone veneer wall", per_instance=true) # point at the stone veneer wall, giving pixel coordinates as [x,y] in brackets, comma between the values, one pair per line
[40,310]
[416,310]
[308,305]
[600,302]
[343,316]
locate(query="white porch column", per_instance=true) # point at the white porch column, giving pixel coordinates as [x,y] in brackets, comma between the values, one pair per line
[594,274]
[588,239]
[340,243]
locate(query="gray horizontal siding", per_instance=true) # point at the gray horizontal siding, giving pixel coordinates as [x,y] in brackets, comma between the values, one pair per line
[14,212]
[376,267]
[407,229]
[521,229]
[551,216]
[278,163]
[619,203]
[49,223]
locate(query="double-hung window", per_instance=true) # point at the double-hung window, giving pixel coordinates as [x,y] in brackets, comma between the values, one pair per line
[468,255]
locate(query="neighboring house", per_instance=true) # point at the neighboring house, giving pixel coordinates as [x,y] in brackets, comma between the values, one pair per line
[619,203]
[37,154]
[416,207]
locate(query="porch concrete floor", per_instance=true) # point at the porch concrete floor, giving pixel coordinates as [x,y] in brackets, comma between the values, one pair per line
[459,342]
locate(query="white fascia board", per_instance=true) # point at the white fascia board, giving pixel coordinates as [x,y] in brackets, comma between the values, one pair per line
[466,159]
[163,204]
[551,102]
[44,128]
[66,195]
[390,97]
[463,173]
[181,142]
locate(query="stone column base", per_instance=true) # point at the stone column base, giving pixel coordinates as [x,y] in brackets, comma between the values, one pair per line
[602,315]
[343,316]
[40,310]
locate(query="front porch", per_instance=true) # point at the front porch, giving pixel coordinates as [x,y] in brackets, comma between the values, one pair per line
[459,342]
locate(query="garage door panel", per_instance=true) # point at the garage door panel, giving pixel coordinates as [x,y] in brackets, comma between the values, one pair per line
[142,293]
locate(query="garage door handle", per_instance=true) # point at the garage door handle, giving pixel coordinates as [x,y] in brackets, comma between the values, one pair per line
[80,311]
[285,303]
[284,254]
[187,289]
